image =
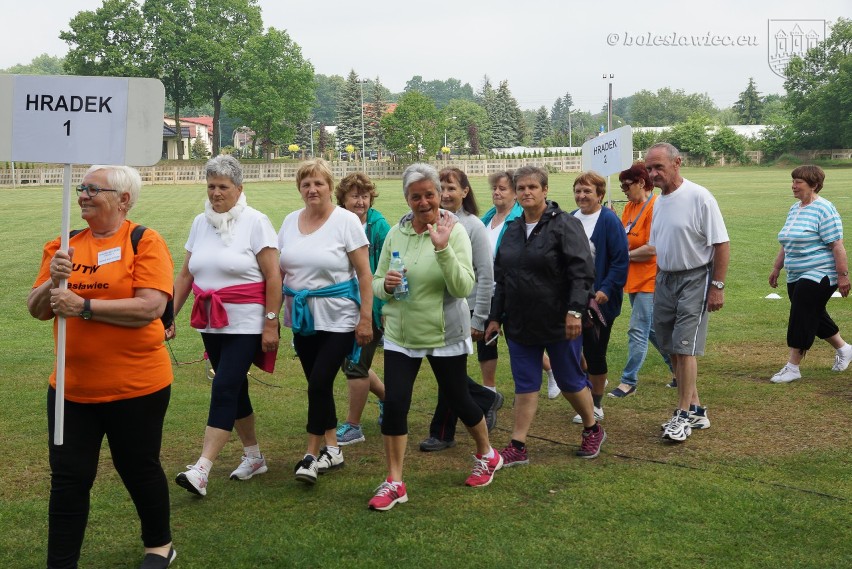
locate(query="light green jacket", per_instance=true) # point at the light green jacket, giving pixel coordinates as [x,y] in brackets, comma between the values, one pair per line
[436,313]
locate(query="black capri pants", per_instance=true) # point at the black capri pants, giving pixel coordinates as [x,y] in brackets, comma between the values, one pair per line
[451,374]
[595,347]
[321,355]
[231,356]
[808,317]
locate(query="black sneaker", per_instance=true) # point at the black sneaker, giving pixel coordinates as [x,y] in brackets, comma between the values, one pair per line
[491,414]
[154,561]
[672,383]
[434,445]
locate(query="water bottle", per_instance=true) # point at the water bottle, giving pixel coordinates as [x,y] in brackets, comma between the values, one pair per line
[400,292]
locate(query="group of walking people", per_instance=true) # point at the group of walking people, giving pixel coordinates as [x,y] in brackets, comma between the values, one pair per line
[547,280]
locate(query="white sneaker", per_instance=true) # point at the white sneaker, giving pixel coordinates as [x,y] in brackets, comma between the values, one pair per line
[842,357]
[249,467]
[678,429]
[306,470]
[599,415]
[194,480]
[329,460]
[698,419]
[553,390]
[787,374]
[664,426]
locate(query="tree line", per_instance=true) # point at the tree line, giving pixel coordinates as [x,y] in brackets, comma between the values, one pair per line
[214,57]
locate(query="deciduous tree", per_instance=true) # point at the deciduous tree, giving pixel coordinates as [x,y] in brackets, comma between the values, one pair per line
[818,91]
[415,127]
[278,88]
[221,32]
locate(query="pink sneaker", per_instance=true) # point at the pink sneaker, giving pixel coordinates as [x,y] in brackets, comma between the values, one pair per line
[590,447]
[484,469]
[514,457]
[388,495]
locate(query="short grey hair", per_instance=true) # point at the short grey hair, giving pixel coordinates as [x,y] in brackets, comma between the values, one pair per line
[540,174]
[418,172]
[671,151]
[122,179]
[225,165]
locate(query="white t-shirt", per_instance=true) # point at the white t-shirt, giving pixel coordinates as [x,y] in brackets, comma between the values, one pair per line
[320,259]
[494,236]
[589,222]
[214,265]
[685,226]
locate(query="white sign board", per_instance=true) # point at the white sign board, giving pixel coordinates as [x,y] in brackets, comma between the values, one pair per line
[81,120]
[609,153]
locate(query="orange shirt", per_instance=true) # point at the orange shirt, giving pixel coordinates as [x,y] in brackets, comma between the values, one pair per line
[105,362]
[640,276]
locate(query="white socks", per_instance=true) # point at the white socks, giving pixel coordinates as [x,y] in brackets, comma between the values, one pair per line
[204,465]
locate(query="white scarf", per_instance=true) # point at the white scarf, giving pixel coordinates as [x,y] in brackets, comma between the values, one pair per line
[224,222]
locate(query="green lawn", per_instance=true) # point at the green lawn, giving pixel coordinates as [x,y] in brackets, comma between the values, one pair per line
[769,485]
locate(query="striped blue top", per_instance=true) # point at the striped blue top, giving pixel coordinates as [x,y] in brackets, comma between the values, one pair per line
[806,237]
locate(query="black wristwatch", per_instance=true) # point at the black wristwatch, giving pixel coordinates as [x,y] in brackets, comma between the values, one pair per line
[87,309]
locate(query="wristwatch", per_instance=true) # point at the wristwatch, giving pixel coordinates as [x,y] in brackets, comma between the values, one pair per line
[87,309]
[718,284]
[575,314]
[271,316]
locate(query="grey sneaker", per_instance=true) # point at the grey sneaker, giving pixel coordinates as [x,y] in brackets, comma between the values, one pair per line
[249,467]
[329,460]
[349,434]
[434,445]
[491,414]
[306,470]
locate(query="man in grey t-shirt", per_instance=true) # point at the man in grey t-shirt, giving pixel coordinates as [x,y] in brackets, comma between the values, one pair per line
[693,250]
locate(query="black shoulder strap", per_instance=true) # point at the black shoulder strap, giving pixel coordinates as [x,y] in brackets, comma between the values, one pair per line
[136,236]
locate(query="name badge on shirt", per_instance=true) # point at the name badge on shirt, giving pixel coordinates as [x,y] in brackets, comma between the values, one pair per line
[109,256]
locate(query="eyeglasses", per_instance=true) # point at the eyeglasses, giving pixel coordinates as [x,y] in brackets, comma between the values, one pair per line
[91,190]
[626,185]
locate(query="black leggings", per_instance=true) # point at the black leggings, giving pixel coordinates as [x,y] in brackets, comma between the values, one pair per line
[808,317]
[443,425]
[400,373]
[321,355]
[231,356]
[134,430]
[595,347]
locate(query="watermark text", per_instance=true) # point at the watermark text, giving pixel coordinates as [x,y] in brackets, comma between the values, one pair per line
[675,39]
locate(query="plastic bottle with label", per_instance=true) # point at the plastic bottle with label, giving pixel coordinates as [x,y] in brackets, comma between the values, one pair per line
[400,292]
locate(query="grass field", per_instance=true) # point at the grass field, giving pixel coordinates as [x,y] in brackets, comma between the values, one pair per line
[768,486]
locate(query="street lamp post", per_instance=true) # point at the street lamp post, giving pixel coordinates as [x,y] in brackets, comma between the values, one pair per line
[312,123]
[609,104]
[445,134]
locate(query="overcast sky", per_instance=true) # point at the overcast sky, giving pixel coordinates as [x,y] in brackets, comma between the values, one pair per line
[542,47]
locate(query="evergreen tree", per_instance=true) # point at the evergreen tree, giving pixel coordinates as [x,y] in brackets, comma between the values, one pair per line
[556,113]
[506,119]
[749,107]
[542,128]
[349,113]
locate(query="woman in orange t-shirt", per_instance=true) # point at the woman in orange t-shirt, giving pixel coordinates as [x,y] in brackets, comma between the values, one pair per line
[117,374]
[641,274]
